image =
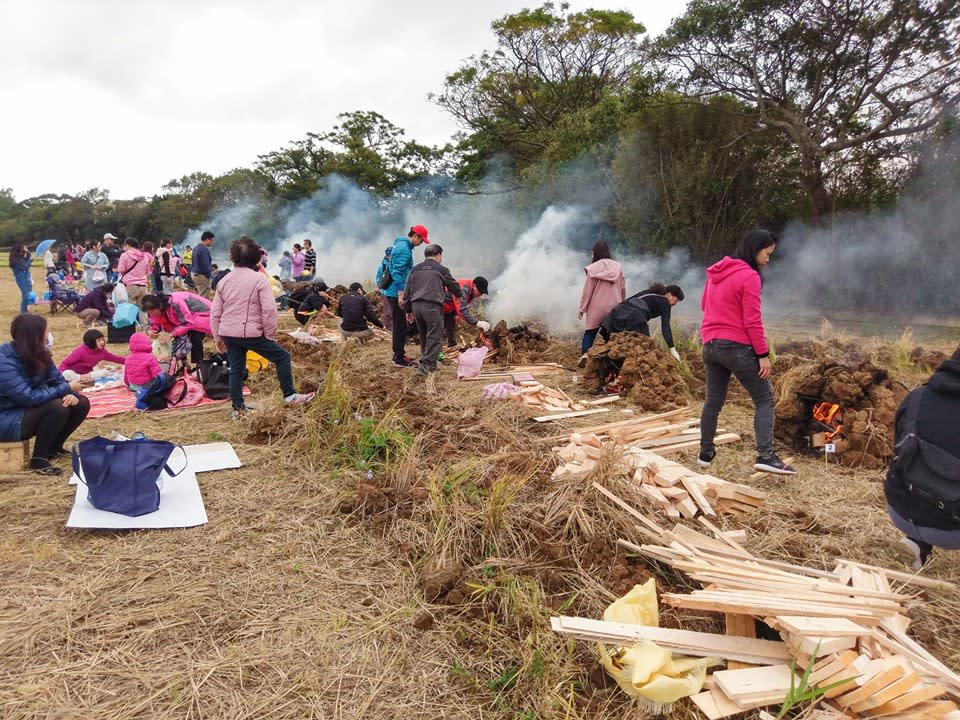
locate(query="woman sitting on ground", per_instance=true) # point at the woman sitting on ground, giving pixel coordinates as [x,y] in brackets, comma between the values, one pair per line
[634,313]
[95,305]
[84,358]
[923,482]
[244,317]
[35,399]
[183,315]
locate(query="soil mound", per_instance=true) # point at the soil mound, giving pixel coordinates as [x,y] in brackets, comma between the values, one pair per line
[649,376]
[520,344]
[867,398]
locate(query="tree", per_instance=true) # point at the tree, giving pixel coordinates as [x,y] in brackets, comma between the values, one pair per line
[363,146]
[836,76]
[547,66]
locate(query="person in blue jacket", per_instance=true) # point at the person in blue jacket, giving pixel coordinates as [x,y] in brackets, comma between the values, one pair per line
[401,263]
[35,399]
[20,259]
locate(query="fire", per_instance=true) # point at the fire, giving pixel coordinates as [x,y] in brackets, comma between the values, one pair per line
[829,414]
[484,340]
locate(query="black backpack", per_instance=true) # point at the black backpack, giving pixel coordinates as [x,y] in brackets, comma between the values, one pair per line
[923,469]
[215,376]
[385,279]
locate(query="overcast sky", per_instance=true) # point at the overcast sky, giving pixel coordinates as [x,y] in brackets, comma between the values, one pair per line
[127,95]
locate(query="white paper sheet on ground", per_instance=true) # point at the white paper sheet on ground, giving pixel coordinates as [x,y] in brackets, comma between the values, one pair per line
[180,506]
[211,456]
[200,458]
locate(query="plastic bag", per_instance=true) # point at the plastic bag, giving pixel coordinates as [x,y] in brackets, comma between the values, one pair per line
[646,670]
[470,362]
[125,314]
[499,391]
[120,294]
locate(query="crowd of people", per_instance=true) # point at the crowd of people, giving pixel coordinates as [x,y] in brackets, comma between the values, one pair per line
[183,299]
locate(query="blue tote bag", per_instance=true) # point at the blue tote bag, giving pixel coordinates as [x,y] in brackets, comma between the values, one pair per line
[121,475]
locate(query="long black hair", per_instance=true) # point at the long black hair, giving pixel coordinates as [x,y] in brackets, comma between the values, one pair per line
[601,251]
[661,289]
[752,243]
[29,333]
[158,301]
[18,252]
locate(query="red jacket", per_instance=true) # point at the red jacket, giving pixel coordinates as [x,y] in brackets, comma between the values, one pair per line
[731,305]
[461,305]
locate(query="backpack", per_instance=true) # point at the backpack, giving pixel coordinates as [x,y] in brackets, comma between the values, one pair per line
[384,279]
[924,469]
[215,376]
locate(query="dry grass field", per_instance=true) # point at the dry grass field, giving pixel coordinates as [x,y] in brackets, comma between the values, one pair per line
[392,550]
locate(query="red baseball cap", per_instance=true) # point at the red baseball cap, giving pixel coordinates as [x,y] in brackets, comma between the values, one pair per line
[421,231]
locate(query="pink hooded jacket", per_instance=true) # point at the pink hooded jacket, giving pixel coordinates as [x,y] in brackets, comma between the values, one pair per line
[731,305]
[244,306]
[134,266]
[141,366]
[187,312]
[604,289]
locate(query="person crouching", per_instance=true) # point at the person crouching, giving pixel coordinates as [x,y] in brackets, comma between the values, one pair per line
[356,310]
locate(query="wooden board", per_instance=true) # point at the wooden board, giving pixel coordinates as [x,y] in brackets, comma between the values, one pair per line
[748,686]
[820,626]
[715,705]
[686,642]
[739,626]
[578,413]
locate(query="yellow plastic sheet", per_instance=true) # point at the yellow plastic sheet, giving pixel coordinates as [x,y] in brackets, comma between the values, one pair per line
[646,670]
[256,362]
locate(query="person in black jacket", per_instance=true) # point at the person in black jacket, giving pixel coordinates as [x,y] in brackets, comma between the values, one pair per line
[356,311]
[923,482]
[35,399]
[635,313]
[424,292]
[310,301]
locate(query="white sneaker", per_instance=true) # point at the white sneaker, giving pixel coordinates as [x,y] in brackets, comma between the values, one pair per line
[299,398]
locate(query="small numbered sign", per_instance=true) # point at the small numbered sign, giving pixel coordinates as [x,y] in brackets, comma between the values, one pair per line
[830,448]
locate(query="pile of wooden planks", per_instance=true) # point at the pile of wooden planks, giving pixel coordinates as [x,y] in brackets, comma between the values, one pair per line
[681,492]
[536,395]
[848,624]
[667,432]
[510,370]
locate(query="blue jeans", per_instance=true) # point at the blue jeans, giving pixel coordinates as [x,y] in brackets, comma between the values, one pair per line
[721,358]
[589,337]
[237,357]
[25,283]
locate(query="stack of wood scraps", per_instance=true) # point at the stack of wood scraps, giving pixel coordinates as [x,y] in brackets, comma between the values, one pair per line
[510,370]
[681,492]
[848,625]
[579,456]
[536,395]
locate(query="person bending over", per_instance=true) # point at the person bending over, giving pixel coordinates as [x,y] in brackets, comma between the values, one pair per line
[635,313]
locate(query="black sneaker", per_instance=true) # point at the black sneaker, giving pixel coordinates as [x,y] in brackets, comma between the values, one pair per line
[44,468]
[920,551]
[773,464]
[706,457]
[406,363]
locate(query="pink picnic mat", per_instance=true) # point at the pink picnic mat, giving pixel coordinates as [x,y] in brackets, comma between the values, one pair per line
[114,401]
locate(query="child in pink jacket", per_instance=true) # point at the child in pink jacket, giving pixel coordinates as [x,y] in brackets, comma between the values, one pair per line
[84,358]
[604,289]
[141,367]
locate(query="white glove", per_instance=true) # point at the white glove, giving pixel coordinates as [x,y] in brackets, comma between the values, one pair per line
[483,325]
[676,355]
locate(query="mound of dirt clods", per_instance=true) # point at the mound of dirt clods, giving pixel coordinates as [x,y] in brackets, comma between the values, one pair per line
[867,397]
[648,375]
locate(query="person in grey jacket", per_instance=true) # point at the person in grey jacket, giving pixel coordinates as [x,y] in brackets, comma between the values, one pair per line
[424,292]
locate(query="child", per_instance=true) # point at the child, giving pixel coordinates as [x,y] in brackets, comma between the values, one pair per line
[84,358]
[141,367]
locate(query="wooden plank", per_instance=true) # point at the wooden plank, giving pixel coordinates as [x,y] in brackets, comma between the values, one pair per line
[602,401]
[822,671]
[815,646]
[687,642]
[578,413]
[902,576]
[930,710]
[748,686]
[879,681]
[715,705]
[908,700]
[739,626]
[824,627]
[696,494]
[890,692]
[681,446]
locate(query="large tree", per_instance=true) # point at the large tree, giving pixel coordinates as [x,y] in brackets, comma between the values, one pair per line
[838,77]
[548,65]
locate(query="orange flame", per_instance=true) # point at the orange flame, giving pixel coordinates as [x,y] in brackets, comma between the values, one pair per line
[827,414]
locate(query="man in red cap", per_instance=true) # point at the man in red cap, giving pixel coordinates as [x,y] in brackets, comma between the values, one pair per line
[400,264]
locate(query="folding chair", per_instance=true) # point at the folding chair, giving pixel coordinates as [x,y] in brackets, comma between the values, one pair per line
[62,298]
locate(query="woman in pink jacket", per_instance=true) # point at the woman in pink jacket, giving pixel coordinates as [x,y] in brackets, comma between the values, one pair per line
[244,317]
[183,315]
[604,289]
[133,269]
[734,343]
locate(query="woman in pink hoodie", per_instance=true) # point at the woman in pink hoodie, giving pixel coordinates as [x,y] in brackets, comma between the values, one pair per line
[244,317]
[604,289]
[734,343]
[133,269]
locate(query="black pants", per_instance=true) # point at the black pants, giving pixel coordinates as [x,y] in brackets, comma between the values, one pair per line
[450,328]
[399,329]
[51,424]
[429,317]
